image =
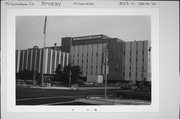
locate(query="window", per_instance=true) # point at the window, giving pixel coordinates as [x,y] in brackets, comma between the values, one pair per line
[97,54]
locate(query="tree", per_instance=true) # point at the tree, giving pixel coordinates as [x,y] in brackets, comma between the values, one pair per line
[63,74]
[66,73]
[58,74]
[28,75]
[58,69]
[25,75]
[76,74]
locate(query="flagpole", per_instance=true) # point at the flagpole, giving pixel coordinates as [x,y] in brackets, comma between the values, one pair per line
[42,79]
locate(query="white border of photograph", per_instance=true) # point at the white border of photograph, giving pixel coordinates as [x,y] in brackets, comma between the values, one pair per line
[11,41]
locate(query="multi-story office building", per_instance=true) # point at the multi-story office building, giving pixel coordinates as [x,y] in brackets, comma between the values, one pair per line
[95,54]
[32,59]
[123,61]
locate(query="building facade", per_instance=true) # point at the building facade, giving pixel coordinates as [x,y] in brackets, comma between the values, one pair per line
[137,65]
[95,54]
[32,59]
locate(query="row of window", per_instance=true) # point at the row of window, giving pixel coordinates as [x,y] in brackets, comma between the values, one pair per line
[92,69]
[130,59]
[136,52]
[87,55]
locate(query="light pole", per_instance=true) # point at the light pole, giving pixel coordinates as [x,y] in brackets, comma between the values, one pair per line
[105,78]
[70,73]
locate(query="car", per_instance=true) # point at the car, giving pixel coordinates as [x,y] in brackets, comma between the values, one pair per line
[137,93]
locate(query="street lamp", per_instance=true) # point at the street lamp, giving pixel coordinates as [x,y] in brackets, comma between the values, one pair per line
[105,78]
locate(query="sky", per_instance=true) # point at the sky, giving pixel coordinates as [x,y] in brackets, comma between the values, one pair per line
[29,29]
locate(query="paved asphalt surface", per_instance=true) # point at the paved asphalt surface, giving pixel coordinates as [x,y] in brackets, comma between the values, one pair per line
[35,96]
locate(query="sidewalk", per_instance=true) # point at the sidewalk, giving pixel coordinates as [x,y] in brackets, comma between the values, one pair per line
[68,88]
[103,101]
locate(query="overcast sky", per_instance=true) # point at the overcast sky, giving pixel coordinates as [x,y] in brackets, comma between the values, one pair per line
[29,29]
